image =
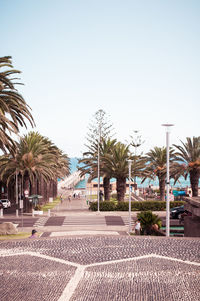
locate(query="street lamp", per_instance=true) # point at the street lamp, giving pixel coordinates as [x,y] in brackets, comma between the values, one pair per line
[98,174]
[129,168]
[167,125]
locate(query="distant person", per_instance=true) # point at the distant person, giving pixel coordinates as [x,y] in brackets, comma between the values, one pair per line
[33,234]
[74,195]
[69,198]
[101,195]
[137,227]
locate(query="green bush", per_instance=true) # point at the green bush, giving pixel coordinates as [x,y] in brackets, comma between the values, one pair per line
[148,220]
[135,206]
[103,206]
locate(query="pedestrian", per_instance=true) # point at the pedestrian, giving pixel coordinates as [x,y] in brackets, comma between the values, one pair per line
[101,195]
[69,198]
[33,234]
[137,227]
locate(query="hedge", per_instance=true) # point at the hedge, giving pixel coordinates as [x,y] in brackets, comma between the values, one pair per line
[135,206]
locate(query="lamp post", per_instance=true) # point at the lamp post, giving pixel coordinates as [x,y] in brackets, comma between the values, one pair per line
[16,192]
[98,174]
[167,125]
[129,169]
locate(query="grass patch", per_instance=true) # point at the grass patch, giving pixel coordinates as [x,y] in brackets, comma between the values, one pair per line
[15,236]
[19,235]
[51,205]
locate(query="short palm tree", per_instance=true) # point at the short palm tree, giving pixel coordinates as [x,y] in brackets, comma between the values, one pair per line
[156,167]
[188,156]
[148,220]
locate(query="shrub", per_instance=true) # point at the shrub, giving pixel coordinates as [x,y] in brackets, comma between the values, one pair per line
[38,208]
[148,220]
[135,206]
[103,206]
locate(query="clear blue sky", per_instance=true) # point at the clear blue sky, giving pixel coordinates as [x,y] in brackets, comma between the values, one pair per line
[137,60]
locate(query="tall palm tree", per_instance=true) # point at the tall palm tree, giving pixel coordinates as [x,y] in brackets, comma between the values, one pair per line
[91,162]
[14,111]
[117,163]
[36,157]
[156,167]
[188,155]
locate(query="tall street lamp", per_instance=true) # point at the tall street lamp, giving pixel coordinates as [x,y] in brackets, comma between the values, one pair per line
[129,169]
[167,125]
[98,170]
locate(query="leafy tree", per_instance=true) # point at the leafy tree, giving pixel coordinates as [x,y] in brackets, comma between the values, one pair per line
[188,156]
[14,111]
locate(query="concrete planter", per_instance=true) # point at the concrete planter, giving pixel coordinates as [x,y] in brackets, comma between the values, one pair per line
[37,212]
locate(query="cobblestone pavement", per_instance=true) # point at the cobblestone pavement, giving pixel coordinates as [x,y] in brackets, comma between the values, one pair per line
[99,268]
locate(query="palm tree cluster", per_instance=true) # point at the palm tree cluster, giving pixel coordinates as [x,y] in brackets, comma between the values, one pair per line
[184,161]
[35,161]
[114,164]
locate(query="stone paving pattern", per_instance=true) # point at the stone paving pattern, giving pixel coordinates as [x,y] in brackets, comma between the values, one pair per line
[111,269]
[145,280]
[26,277]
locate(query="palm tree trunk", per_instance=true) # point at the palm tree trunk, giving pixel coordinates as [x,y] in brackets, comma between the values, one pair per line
[162,188]
[121,188]
[194,180]
[106,187]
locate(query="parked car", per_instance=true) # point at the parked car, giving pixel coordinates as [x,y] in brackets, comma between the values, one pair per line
[177,211]
[6,203]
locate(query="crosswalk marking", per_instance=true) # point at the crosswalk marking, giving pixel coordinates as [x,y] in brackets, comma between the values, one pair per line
[126,221]
[73,220]
[41,222]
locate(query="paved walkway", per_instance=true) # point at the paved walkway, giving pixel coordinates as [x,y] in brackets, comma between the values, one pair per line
[100,268]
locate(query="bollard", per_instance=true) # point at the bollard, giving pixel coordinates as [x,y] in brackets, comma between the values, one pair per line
[1,212]
[17,213]
[32,212]
[49,212]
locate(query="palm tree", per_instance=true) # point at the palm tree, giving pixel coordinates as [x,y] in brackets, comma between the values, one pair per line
[13,108]
[117,163]
[188,155]
[36,158]
[148,220]
[91,161]
[156,167]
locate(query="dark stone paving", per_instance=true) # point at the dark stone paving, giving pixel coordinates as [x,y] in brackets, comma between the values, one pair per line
[114,221]
[111,269]
[55,221]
